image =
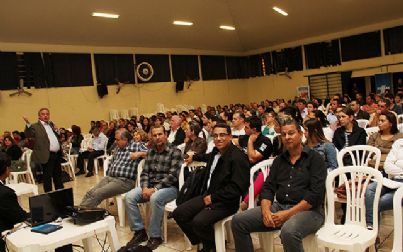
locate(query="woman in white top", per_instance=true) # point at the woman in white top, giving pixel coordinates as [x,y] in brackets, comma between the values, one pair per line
[393,166]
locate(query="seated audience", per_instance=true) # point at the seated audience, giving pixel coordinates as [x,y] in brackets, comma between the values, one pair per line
[349,133]
[268,127]
[383,106]
[122,170]
[176,136]
[387,135]
[194,143]
[76,139]
[358,112]
[292,196]
[158,184]
[11,212]
[394,169]
[11,148]
[317,141]
[238,124]
[223,185]
[96,149]
[370,106]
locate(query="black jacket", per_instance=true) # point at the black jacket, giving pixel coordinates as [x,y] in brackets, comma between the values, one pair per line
[179,137]
[230,178]
[357,137]
[361,114]
[11,212]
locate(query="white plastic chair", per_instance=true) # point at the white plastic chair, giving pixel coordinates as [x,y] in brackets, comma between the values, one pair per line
[371,130]
[398,220]
[353,235]
[103,157]
[362,123]
[400,127]
[171,206]
[69,164]
[360,155]
[400,119]
[27,175]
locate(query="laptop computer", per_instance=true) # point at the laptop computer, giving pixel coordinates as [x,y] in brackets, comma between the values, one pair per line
[47,207]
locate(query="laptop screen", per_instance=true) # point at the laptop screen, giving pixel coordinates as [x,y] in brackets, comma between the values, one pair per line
[48,207]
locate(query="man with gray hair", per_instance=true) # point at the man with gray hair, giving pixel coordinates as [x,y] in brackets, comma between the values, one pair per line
[176,135]
[122,170]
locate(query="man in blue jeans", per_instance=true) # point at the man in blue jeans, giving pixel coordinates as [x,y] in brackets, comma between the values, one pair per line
[292,196]
[158,184]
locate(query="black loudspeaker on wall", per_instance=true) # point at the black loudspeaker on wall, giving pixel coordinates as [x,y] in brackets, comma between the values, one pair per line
[102,90]
[179,86]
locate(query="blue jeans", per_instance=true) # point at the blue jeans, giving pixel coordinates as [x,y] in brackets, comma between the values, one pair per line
[385,201]
[292,232]
[158,201]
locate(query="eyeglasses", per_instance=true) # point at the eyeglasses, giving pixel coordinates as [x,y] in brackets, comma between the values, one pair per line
[220,136]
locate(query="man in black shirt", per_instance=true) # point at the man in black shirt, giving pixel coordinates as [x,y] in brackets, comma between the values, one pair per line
[254,144]
[292,196]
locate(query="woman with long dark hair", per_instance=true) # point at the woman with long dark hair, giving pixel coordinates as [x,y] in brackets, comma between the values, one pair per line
[317,141]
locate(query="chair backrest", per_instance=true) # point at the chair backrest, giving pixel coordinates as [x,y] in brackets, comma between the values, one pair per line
[400,127]
[140,167]
[192,166]
[26,157]
[264,167]
[360,155]
[106,164]
[360,177]
[362,123]
[87,136]
[400,118]
[371,130]
[181,147]
[85,143]
[398,220]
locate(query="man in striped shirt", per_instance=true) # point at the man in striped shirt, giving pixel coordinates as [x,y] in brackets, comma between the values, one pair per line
[158,184]
[122,170]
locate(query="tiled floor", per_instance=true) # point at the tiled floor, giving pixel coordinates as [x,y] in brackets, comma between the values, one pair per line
[175,237]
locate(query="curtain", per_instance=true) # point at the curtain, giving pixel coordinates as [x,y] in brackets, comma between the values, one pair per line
[68,69]
[114,68]
[213,67]
[185,67]
[361,46]
[237,67]
[393,38]
[322,54]
[8,71]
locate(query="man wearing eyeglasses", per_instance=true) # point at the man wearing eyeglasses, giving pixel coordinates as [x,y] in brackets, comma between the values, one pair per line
[226,179]
[383,107]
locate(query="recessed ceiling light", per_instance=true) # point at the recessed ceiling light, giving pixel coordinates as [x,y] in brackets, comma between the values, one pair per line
[186,23]
[280,11]
[105,15]
[227,27]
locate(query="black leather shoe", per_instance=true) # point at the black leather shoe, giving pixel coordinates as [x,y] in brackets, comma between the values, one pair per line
[90,174]
[80,173]
[139,237]
[153,243]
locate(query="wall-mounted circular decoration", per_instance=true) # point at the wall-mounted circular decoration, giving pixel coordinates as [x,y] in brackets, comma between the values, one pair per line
[144,71]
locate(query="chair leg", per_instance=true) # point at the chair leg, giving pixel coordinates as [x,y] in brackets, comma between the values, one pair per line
[121,211]
[267,241]
[188,244]
[96,166]
[219,236]
[165,226]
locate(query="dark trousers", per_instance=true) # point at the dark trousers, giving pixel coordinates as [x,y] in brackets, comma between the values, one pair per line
[90,155]
[52,170]
[197,221]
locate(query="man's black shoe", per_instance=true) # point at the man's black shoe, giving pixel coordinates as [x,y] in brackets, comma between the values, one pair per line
[138,237]
[90,174]
[153,243]
[80,173]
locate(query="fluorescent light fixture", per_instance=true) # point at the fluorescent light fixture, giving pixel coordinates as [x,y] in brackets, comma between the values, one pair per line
[105,15]
[280,11]
[227,27]
[185,23]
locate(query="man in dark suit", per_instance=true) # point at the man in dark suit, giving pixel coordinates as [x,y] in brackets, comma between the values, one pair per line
[224,183]
[358,112]
[176,135]
[11,212]
[46,150]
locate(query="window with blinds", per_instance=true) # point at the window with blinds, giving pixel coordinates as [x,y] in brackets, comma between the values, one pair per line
[325,85]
